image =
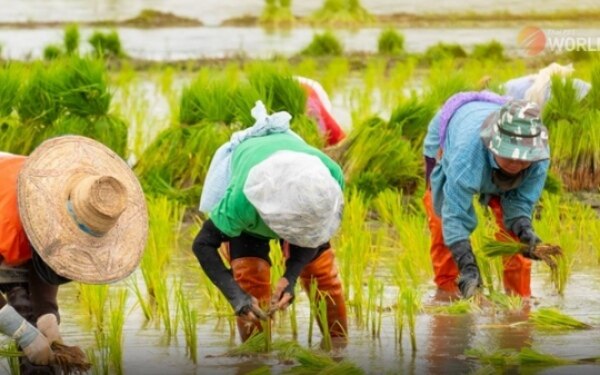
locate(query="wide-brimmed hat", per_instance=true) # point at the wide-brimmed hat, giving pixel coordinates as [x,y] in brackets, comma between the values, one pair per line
[297,197]
[83,210]
[516,132]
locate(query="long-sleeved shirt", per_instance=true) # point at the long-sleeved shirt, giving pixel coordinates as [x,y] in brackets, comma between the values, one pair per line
[465,170]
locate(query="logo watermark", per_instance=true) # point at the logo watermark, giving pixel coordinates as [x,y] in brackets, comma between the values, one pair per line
[534,40]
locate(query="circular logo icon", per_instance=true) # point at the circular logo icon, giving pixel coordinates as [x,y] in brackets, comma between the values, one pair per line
[532,39]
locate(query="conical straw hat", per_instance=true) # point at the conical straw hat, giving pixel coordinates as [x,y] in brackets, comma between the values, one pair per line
[83,210]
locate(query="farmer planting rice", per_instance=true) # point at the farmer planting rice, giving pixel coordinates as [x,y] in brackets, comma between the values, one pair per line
[479,143]
[72,210]
[537,87]
[319,107]
[267,183]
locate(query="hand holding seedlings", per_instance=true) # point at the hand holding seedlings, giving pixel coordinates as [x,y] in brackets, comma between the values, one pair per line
[252,312]
[282,297]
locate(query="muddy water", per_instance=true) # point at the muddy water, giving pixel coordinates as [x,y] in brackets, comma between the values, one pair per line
[441,339]
[213,12]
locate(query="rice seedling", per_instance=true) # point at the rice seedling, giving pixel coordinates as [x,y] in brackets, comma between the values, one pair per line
[397,78]
[443,51]
[255,344]
[501,357]
[71,39]
[336,74]
[410,300]
[277,13]
[390,42]
[11,76]
[52,52]
[314,363]
[413,118]
[552,319]
[106,44]
[325,44]
[108,356]
[372,162]
[93,300]
[458,307]
[190,322]
[528,356]
[321,308]
[11,353]
[492,50]
[374,305]
[39,104]
[441,85]
[505,301]
[342,13]
[548,253]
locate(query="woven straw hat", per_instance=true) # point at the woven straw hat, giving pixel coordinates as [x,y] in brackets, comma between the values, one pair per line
[83,210]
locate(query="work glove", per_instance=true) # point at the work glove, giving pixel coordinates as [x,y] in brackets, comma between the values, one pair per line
[33,343]
[247,307]
[48,325]
[522,228]
[470,279]
[282,296]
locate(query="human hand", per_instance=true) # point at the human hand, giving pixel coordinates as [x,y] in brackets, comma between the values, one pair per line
[48,325]
[38,351]
[282,296]
[251,312]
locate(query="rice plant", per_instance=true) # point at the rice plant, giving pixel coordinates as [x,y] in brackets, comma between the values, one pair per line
[528,356]
[493,50]
[71,39]
[325,44]
[441,51]
[52,52]
[413,117]
[106,44]
[93,299]
[39,103]
[277,13]
[11,76]
[390,42]
[458,307]
[342,13]
[553,319]
[190,322]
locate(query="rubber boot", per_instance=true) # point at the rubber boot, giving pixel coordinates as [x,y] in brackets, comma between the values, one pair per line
[517,268]
[324,271]
[253,275]
[444,268]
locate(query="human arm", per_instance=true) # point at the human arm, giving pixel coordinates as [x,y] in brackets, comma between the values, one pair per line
[284,290]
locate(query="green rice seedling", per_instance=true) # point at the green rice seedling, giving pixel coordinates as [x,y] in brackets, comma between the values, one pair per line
[52,52]
[411,302]
[563,103]
[553,184]
[342,13]
[528,356]
[93,300]
[311,362]
[253,346]
[115,330]
[190,322]
[413,118]
[336,74]
[38,102]
[277,13]
[392,87]
[144,303]
[321,308]
[378,158]
[390,42]
[548,253]
[306,128]
[106,44]
[592,99]
[325,44]
[307,67]
[11,353]
[493,50]
[501,357]
[83,86]
[11,76]
[71,39]
[552,319]
[443,51]
[458,307]
[375,305]
[312,297]
[440,85]
[177,161]
[208,97]
[510,303]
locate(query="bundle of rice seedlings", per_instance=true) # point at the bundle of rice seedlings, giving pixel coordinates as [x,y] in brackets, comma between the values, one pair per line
[108,130]
[277,13]
[208,98]
[83,86]
[376,157]
[106,44]
[52,52]
[314,363]
[458,307]
[342,13]
[390,42]
[177,161]
[553,184]
[546,252]
[326,44]
[528,356]
[551,318]
[71,39]
[592,99]
[492,50]
[441,85]
[501,357]
[254,345]
[11,76]
[443,51]
[511,303]
[413,118]
[563,104]
[38,102]
[306,128]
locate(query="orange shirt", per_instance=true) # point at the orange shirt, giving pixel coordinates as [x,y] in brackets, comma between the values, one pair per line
[14,244]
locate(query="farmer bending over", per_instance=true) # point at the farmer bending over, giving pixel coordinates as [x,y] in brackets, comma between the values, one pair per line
[479,143]
[72,210]
[267,183]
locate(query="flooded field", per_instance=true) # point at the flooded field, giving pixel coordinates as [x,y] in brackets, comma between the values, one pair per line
[168,318]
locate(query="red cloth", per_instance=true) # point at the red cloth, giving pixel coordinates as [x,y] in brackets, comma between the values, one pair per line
[327,124]
[14,244]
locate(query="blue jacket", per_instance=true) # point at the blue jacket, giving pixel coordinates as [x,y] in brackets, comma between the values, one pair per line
[465,170]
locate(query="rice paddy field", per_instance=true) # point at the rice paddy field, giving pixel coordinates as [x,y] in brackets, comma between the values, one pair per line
[68,67]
